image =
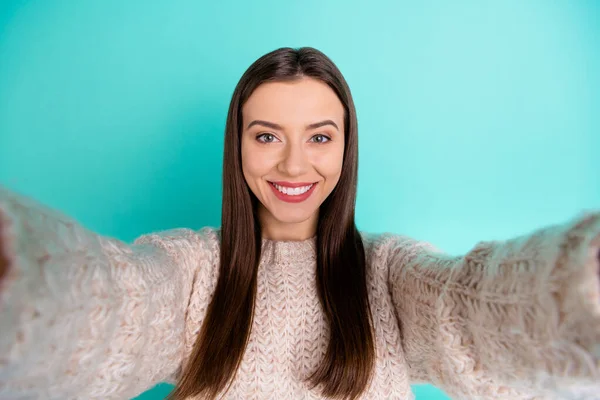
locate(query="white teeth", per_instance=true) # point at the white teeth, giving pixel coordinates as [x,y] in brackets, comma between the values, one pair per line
[293,191]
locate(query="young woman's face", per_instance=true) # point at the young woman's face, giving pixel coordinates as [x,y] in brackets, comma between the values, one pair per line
[292,150]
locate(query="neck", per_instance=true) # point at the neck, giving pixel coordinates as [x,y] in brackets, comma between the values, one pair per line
[273,229]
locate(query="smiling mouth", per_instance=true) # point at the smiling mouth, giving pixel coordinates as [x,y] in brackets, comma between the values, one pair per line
[292,191]
[293,195]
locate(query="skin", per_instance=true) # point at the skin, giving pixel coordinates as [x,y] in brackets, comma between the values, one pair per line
[292,151]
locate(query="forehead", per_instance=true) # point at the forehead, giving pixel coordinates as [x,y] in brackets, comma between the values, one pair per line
[295,102]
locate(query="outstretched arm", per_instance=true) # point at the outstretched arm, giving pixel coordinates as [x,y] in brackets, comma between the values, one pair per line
[506,319]
[86,316]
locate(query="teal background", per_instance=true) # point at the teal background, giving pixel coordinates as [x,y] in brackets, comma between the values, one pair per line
[478,120]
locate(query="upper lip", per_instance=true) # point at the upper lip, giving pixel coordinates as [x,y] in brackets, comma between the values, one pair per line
[292,184]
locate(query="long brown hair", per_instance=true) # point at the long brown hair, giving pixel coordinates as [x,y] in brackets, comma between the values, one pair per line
[347,366]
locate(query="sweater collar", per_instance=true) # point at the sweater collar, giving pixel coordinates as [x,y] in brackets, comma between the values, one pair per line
[289,251]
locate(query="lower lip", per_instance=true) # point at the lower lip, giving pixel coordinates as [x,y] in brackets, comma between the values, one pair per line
[293,199]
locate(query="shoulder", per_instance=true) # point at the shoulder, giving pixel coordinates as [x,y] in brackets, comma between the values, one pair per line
[393,247]
[199,244]
[385,242]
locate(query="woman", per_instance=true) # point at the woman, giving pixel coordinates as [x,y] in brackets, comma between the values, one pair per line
[288,299]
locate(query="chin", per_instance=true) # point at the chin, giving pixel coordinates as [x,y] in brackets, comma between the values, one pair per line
[292,217]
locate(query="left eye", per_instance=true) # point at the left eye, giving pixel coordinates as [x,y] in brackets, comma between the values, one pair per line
[321,139]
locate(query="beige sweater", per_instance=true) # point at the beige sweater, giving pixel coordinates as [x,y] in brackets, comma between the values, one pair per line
[90,317]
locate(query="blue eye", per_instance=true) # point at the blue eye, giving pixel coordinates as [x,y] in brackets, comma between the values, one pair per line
[324,138]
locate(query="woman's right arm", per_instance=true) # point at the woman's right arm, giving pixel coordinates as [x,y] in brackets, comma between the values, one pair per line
[84,316]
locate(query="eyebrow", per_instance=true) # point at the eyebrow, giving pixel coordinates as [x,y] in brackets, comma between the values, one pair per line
[273,125]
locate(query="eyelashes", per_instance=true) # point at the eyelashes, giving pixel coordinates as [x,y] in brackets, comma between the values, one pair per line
[266,138]
[261,138]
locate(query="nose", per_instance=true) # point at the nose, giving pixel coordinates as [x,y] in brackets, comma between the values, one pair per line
[294,160]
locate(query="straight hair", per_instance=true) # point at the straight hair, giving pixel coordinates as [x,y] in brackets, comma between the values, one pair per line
[346,369]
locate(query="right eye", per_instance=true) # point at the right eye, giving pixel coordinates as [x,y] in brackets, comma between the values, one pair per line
[266,138]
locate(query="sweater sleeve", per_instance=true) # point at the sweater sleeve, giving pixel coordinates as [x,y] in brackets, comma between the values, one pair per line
[510,319]
[84,316]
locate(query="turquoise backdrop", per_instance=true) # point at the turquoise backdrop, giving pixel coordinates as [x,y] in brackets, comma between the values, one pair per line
[478,120]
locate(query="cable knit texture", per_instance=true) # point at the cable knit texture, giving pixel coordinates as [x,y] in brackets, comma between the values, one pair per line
[84,316]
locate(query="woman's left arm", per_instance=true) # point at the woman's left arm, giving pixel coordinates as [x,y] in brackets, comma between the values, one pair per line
[515,316]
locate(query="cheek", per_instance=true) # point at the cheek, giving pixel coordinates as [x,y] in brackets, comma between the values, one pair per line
[248,167]
[329,165]
[250,161]
[255,166]
[257,161]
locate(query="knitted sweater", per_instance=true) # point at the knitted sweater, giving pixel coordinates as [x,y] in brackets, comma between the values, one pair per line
[85,316]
